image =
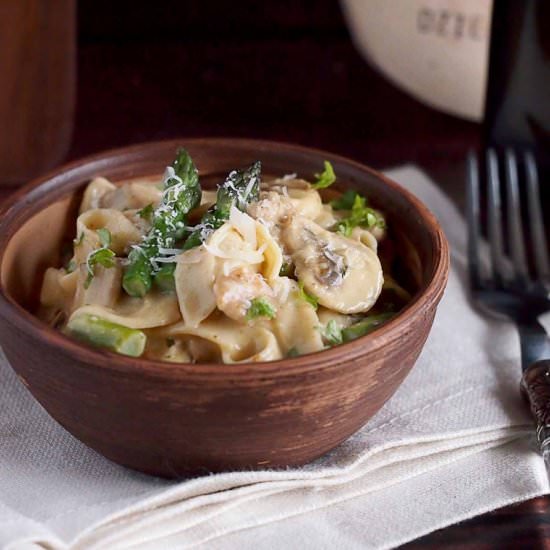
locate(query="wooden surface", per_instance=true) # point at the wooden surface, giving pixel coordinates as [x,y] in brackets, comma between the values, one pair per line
[283,70]
[38,75]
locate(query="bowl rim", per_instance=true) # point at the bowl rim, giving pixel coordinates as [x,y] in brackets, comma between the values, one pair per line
[19,203]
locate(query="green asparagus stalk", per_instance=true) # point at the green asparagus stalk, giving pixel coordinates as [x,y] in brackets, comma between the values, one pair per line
[230,193]
[240,188]
[366,325]
[164,278]
[181,194]
[101,333]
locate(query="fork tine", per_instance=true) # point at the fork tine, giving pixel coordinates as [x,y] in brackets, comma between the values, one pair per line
[540,247]
[472,216]
[515,228]
[494,212]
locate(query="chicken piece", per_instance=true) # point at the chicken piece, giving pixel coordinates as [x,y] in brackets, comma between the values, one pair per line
[234,292]
[274,211]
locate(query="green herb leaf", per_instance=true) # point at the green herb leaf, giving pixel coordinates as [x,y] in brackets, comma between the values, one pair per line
[332,333]
[105,237]
[360,216]
[345,201]
[78,241]
[309,298]
[326,178]
[101,256]
[260,307]
[71,266]
[182,193]
[146,213]
[292,352]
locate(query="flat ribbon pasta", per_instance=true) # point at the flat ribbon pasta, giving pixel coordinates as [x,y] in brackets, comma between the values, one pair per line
[242,294]
[102,290]
[101,193]
[296,325]
[194,278]
[123,232]
[366,237]
[58,288]
[135,195]
[306,202]
[154,310]
[95,191]
[225,251]
[236,343]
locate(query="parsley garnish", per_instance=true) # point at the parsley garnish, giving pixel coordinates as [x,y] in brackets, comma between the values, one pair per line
[345,201]
[309,298]
[71,266]
[360,216]
[146,212]
[260,307]
[101,256]
[104,237]
[332,333]
[326,178]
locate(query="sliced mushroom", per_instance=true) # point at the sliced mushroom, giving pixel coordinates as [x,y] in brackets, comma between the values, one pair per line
[344,275]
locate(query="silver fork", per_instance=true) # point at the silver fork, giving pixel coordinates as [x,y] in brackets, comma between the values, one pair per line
[507,287]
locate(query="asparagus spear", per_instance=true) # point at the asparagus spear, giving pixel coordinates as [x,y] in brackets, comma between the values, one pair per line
[181,194]
[164,277]
[366,325]
[104,334]
[240,188]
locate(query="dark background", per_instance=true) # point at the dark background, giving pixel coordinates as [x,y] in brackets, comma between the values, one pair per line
[282,70]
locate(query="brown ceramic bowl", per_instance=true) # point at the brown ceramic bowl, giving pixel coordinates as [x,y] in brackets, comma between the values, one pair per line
[169,419]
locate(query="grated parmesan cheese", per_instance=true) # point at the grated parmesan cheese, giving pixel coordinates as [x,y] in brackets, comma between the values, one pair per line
[248,190]
[169,251]
[248,256]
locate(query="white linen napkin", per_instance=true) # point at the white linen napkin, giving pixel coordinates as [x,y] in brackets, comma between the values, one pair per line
[453,442]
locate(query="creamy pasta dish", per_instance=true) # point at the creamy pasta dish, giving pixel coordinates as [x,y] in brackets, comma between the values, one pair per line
[258,270]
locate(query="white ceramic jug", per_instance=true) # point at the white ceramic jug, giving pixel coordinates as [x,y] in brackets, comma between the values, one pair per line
[436,50]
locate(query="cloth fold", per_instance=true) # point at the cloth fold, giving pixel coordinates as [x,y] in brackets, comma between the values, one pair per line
[453,442]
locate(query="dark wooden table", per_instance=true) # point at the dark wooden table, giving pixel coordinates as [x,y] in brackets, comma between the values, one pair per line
[287,72]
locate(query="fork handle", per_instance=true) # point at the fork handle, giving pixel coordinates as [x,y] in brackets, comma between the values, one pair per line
[535,385]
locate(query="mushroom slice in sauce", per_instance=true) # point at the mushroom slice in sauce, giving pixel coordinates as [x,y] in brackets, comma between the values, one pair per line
[344,275]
